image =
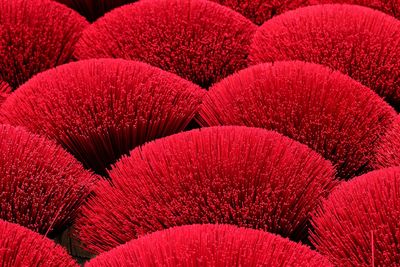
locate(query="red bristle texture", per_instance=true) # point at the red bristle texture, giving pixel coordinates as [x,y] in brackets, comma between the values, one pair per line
[358,225]
[260,11]
[324,109]
[391,7]
[100,109]
[199,40]
[41,185]
[358,41]
[93,9]
[35,35]
[5,91]
[210,245]
[21,247]
[249,177]
[388,151]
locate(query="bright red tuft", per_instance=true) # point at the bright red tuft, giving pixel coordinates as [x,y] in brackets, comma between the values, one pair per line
[391,7]
[236,175]
[210,245]
[5,91]
[331,113]
[355,40]
[101,109]
[260,11]
[388,152]
[41,185]
[93,9]
[199,40]
[35,35]
[358,224]
[20,247]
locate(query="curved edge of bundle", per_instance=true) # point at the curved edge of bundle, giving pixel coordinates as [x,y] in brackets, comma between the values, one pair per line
[35,35]
[356,40]
[20,246]
[210,245]
[42,186]
[322,108]
[198,40]
[100,109]
[229,175]
[358,224]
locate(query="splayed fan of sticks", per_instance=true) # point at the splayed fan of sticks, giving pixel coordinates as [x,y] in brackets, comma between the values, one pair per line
[211,133]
